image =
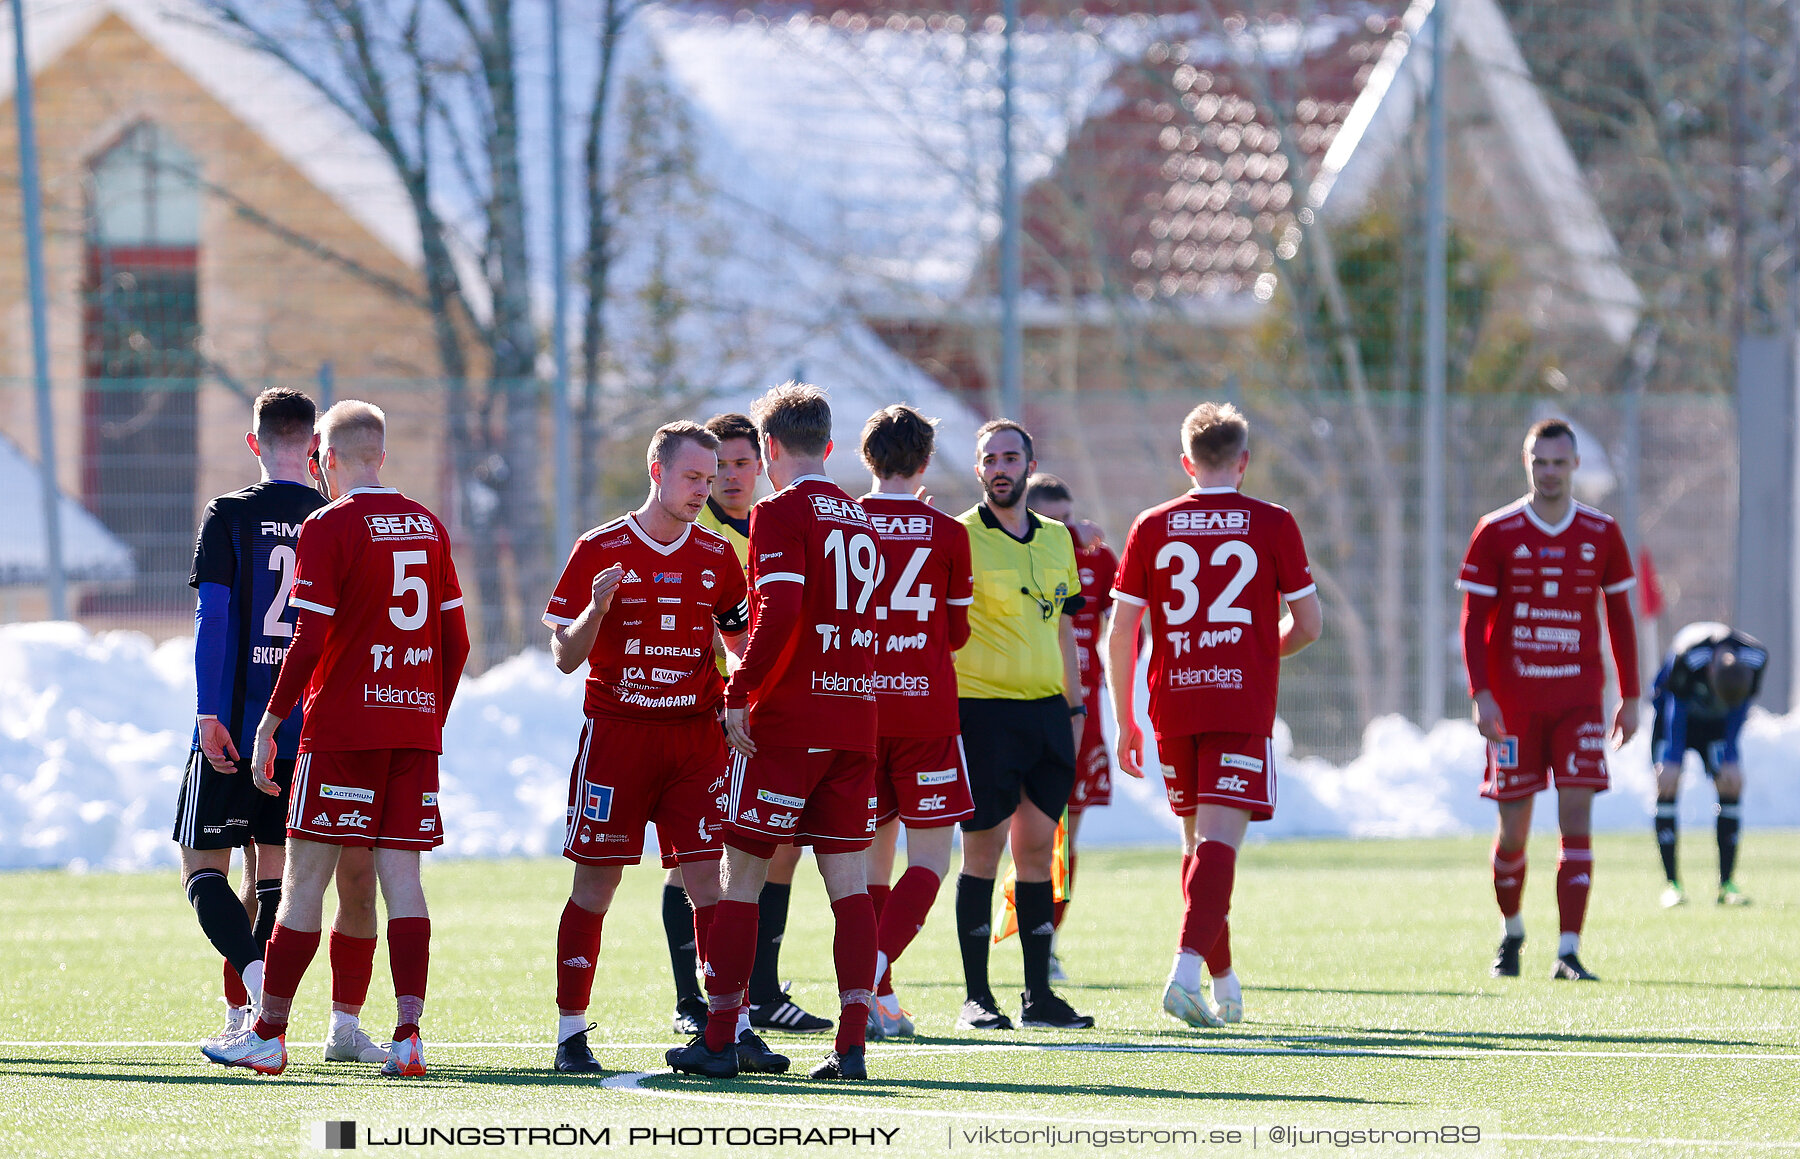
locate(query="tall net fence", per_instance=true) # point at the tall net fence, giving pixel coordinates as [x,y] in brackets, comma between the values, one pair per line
[1217,200]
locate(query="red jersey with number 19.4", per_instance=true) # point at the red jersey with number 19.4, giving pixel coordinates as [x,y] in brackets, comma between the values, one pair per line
[812,685]
[379,565]
[925,571]
[1543,631]
[653,657]
[1213,568]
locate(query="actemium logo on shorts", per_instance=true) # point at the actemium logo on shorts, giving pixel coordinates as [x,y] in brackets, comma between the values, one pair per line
[428,799]
[345,793]
[782,799]
[1240,761]
[941,777]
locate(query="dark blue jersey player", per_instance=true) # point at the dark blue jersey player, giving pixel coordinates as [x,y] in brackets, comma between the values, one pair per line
[1701,697]
[243,570]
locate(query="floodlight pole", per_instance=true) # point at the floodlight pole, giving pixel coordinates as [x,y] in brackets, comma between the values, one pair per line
[1434,632]
[561,419]
[40,339]
[1011,344]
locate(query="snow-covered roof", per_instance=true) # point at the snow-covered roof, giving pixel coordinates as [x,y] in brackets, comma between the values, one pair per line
[283,110]
[90,551]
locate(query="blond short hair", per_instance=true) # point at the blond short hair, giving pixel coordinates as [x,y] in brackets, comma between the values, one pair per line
[668,439]
[797,415]
[1214,434]
[355,429]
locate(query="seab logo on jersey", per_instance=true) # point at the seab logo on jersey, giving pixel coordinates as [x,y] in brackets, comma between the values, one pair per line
[406,526]
[831,507]
[902,526]
[1189,521]
[597,805]
[343,793]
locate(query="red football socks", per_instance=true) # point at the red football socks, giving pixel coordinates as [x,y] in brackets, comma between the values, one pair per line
[409,960]
[1218,959]
[730,952]
[577,948]
[900,921]
[285,960]
[878,896]
[234,987]
[1509,878]
[1574,877]
[1210,878]
[853,952]
[352,962]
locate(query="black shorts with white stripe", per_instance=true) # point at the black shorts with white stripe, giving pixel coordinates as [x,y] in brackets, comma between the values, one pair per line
[226,810]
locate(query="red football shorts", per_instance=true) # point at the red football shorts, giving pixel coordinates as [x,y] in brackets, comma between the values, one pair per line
[1234,769]
[367,798]
[1567,743]
[923,780]
[1093,765]
[628,775]
[803,796]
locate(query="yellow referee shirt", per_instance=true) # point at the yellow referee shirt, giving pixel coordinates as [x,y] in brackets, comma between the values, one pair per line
[1020,588]
[715,518]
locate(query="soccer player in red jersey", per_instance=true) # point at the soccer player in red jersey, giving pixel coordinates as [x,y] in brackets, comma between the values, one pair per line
[1532,582]
[378,649]
[800,714]
[922,616]
[1096,564]
[1212,568]
[637,603]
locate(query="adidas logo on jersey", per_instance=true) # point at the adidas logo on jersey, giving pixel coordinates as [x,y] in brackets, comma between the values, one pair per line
[630,577]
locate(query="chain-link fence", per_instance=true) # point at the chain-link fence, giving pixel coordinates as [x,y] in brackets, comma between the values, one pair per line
[1215,200]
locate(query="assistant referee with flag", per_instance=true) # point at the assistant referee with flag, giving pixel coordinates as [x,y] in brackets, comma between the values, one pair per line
[1019,680]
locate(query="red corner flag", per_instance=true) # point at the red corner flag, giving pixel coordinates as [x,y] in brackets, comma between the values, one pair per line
[1653,591]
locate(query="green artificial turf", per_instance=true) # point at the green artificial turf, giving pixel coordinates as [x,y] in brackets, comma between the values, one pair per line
[1368,1008]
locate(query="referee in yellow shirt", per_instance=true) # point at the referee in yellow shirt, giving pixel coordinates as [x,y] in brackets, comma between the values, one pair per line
[1019,683]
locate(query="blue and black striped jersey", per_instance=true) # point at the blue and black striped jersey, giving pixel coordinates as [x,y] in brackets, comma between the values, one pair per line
[246,543]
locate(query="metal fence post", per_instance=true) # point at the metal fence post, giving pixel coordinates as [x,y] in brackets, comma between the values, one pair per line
[30,192]
[1433,667]
[1011,343]
[560,418]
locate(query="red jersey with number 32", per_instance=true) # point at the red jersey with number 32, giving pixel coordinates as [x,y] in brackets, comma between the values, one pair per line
[1213,568]
[653,657]
[925,568]
[1097,567]
[1543,630]
[379,565]
[816,687]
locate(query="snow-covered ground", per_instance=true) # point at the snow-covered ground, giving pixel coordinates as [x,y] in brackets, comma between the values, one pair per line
[94,734]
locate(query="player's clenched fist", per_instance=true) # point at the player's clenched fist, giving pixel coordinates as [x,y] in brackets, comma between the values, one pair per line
[606,585]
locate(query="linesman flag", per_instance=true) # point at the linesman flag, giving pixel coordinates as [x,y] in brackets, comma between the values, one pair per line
[1062,881]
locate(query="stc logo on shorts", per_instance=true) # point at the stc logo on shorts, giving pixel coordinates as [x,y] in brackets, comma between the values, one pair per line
[1208,522]
[597,804]
[1206,678]
[343,793]
[934,803]
[401,526]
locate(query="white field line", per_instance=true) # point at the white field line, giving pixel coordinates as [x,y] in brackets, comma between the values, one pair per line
[1246,1049]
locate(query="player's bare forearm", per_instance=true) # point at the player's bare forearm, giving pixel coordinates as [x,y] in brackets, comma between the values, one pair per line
[1071,658]
[1121,678]
[1303,624]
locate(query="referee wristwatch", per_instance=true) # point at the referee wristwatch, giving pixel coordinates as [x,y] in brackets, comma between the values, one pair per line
[1078,710]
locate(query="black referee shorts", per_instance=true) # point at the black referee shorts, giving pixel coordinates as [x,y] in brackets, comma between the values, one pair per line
[1014,747]
[224,811]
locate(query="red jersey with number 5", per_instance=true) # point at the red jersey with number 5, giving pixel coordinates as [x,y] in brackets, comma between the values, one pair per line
[653,657]
[925,571]
[1213,568]
[379,565]
[810,681]
[1543,631]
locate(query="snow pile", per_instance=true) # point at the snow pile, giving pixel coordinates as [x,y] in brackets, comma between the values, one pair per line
[94,734]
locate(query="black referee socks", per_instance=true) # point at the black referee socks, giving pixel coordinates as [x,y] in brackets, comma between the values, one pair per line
[222,918]
[1036,906]
[268,904]
[678,928]
[974,931]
